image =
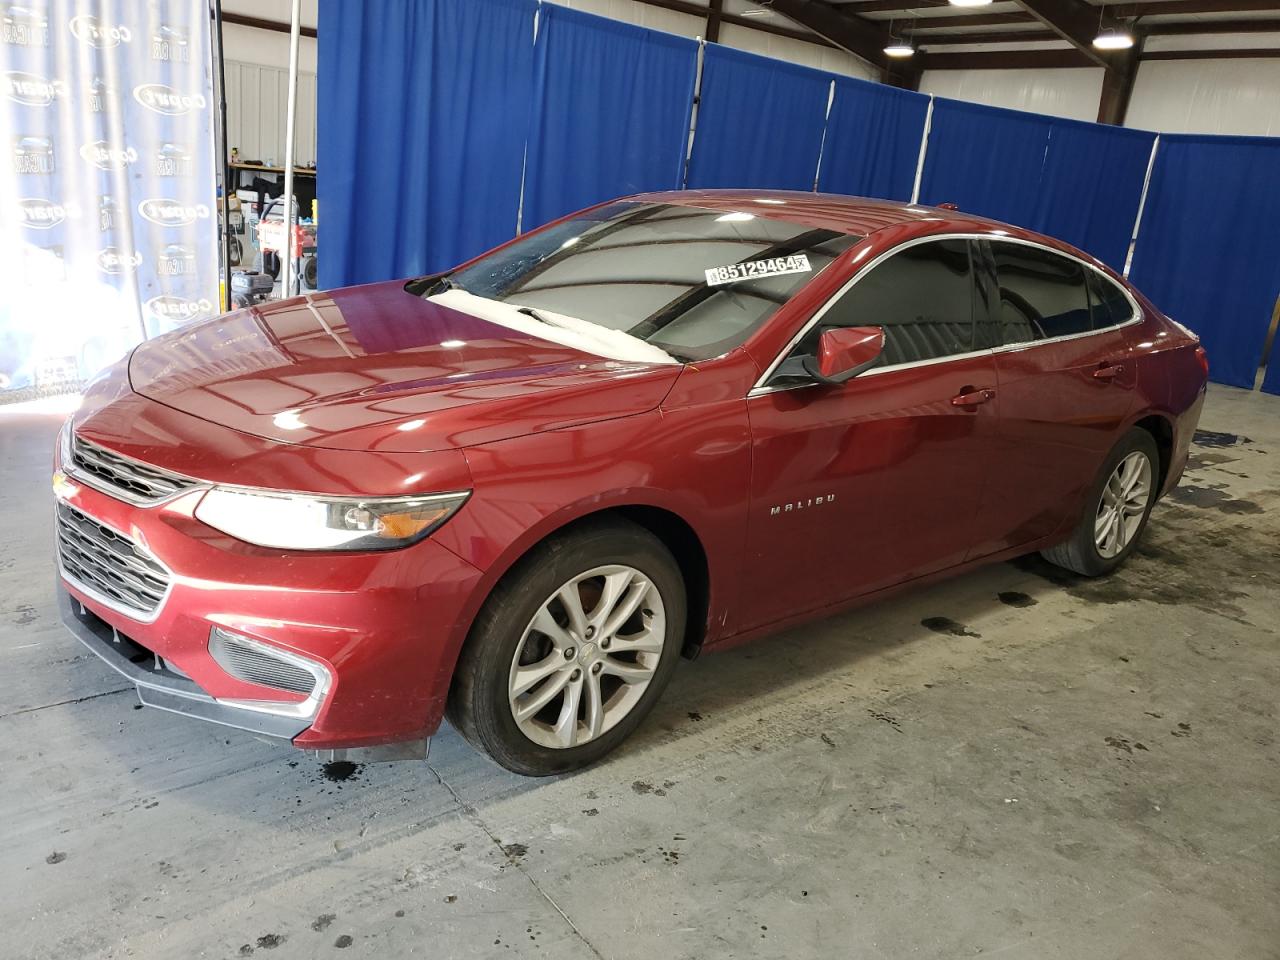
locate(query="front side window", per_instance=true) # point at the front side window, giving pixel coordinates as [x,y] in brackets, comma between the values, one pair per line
[922,296]
[694,282]
[1042,295]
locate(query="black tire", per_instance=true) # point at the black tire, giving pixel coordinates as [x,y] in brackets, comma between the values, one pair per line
[271,264]
[1080,553]
[478,701]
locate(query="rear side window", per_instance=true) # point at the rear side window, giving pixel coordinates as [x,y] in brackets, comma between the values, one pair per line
[1110,306]
[1042,295]
[921,296]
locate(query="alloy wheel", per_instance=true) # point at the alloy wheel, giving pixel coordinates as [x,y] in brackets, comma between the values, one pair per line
[1123,504]
[587,656]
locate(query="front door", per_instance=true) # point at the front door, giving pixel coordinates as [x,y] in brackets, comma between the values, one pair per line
[876,481]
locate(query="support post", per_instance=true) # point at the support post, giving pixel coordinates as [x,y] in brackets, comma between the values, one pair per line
[1117,85]
[286,255]
[715,14]
[220,72]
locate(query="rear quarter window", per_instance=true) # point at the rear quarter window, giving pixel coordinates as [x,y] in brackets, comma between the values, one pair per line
[1111,307]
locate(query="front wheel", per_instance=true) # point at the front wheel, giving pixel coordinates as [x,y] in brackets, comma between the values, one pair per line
[1116,509]
[571,650]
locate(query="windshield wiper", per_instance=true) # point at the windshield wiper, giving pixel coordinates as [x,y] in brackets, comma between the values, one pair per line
[530,312]
[442,284]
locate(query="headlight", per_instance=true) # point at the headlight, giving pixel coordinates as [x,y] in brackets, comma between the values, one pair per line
[64,442]
[298,522]
[63,487]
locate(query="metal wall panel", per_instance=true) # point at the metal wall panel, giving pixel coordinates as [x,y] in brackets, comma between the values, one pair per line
[1063,92]
[256,109]
[1240,97]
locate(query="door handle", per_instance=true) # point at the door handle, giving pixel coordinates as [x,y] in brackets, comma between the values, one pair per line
[1108,371]
[971,397]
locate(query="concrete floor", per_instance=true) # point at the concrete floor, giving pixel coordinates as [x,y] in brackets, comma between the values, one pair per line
[1049,769]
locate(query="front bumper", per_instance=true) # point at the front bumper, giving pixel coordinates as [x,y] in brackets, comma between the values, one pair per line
[160,687]
[386,627]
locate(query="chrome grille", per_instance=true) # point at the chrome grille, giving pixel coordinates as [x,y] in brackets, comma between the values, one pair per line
[253,663]
[123,477]
[105,563]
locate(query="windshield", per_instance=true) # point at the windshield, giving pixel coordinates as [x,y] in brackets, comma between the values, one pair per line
[694,283]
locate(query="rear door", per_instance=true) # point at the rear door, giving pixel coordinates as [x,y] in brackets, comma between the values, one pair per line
[875,481]
[1066,382]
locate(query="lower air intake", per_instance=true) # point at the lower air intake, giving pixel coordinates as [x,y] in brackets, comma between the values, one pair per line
[255,662]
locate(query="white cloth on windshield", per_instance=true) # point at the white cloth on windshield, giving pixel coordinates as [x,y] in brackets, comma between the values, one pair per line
[566,331]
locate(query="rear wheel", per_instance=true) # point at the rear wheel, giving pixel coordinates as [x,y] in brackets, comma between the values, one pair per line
[1116,509]
[571,650]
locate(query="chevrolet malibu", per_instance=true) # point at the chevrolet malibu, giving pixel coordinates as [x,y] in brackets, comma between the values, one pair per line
[515,494]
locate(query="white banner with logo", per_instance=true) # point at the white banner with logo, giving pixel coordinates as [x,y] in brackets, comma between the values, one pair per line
[108,225]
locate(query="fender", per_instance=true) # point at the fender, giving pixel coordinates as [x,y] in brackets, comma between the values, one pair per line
[527,488]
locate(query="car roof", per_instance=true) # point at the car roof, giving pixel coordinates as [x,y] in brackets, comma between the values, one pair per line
[827,211]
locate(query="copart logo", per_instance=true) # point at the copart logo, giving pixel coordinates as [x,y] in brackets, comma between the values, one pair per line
[104,156]
[171,213]
[164,99]
[30,89]
[42,214]
[89,29]
[179,308]
[114,260]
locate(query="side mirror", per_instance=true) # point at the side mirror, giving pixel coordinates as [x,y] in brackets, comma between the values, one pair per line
[845,352]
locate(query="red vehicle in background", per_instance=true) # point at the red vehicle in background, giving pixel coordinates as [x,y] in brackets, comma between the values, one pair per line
[516,493]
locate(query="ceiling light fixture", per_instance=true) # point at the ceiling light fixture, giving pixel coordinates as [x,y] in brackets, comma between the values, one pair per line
[898,47]
[970,3]
[1113,38]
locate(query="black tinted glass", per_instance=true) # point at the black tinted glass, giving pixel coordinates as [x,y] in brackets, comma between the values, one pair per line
[694,282]
[922,297]
[1041,294]
[1110,306]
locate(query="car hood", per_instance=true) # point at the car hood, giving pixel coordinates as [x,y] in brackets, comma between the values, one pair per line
[377,368]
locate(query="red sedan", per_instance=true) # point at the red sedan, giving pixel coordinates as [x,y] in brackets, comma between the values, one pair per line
[518,492]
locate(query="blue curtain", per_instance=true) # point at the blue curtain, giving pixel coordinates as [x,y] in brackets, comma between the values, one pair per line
[1079,182]
[1092,185]
[873,140]
[424,108]
[986,160]
[759,123]
[611,112]
[1208,251]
